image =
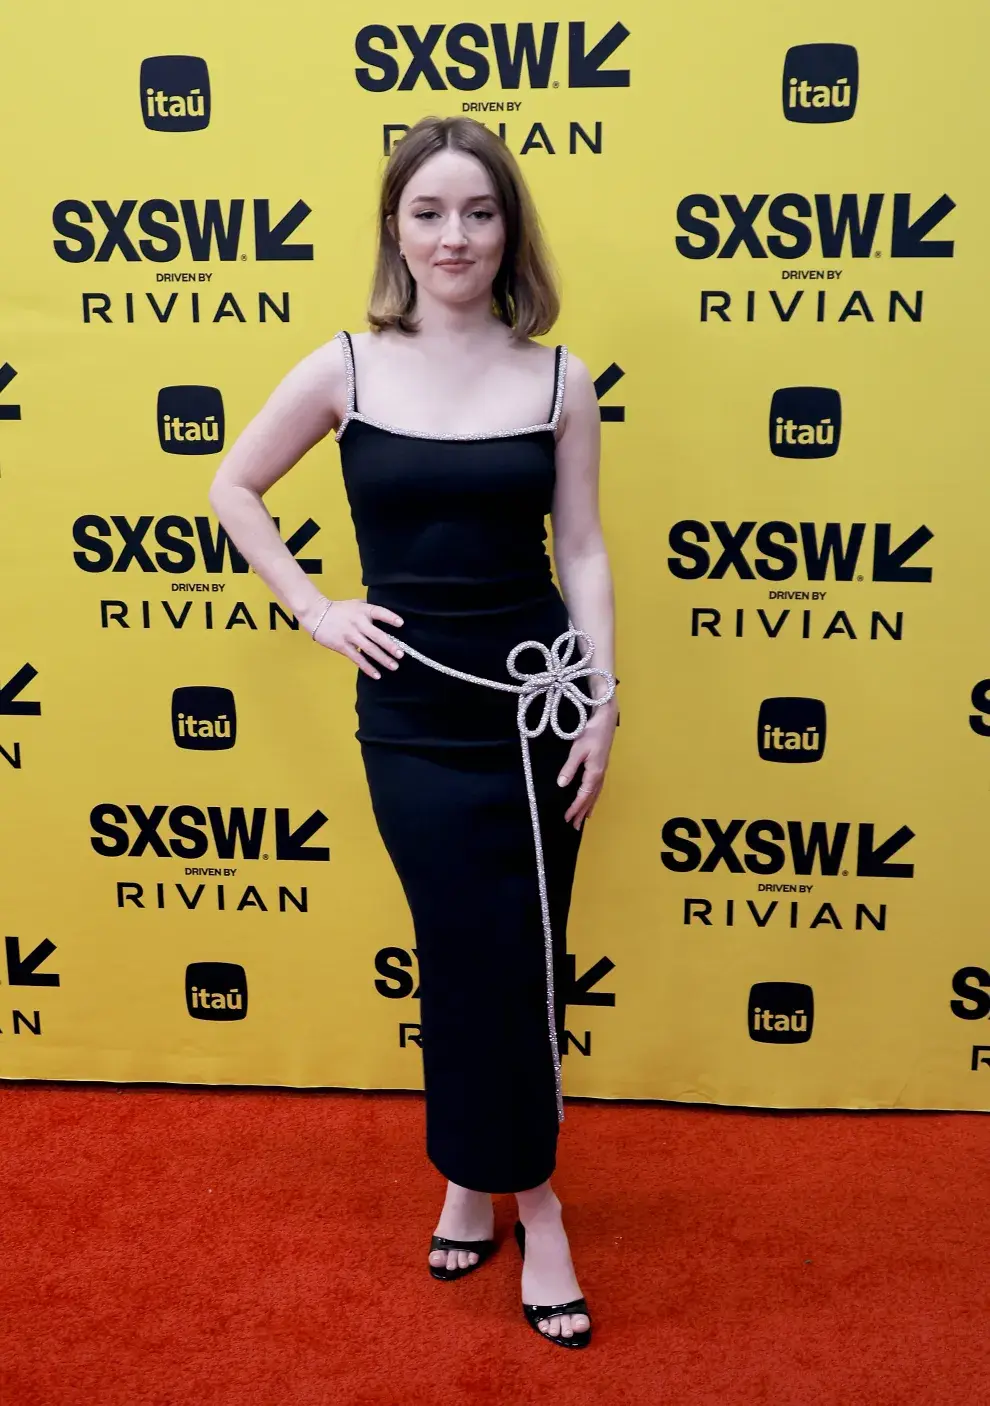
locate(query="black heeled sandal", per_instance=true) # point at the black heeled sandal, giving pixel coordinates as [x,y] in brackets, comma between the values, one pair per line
[534,1312]
[484,1249]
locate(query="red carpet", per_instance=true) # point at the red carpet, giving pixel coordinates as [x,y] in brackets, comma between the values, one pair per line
[171,1246]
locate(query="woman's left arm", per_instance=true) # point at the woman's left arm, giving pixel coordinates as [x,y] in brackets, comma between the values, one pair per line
[585,576]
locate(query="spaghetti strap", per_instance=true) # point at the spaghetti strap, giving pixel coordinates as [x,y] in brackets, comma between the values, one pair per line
[344,338]
[559,377]
[352,412]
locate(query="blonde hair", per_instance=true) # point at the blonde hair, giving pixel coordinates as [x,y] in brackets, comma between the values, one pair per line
[524,291]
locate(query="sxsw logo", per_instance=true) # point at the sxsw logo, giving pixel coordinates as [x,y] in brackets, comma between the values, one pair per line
[216,991]
[980,699]
[781,1012]
[12,705]
[821,82]
[198,229]
[767,846]
[776,551]
[190,420]
[462,56]
[175,93]
[610,377]
[204,718]
[22,967]
[11,702]
[973,1003]
[117,543]
[805,422]
[791,730]
[8,409]
[827,224]
[970,985]
[192,831]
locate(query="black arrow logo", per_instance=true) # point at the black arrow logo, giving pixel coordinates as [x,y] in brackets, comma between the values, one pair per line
[291,844]
[603,384]
[10,690]
[872,860]
[888,565]
[270,243]
[7,374]
[298,539]
[907,240]
[21,971]
[578,990]
[585,69]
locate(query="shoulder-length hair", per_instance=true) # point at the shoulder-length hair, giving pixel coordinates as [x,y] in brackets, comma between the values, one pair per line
[524,291]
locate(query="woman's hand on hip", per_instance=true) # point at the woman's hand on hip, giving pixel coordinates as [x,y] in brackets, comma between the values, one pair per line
[348,627]
[591,750]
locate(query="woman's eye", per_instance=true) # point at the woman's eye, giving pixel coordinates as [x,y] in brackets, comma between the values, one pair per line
[432,214]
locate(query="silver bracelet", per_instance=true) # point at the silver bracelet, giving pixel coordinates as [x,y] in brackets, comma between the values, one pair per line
[320,621]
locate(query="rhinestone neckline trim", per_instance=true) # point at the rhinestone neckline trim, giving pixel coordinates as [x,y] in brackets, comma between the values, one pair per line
[353,414]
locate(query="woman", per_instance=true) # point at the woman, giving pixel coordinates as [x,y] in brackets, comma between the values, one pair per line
[458,433]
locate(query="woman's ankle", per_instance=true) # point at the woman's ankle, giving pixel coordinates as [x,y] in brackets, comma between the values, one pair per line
[538,1206]
[463,1195]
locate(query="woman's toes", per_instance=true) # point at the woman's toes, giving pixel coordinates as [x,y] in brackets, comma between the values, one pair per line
[550,1326]
[472,1257]
[438,1258]
[580,1322]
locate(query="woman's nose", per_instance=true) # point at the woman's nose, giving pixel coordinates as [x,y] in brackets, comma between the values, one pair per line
[453,232]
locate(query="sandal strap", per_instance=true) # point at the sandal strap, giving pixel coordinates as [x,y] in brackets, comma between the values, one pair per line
[556,1310]
[440,1242]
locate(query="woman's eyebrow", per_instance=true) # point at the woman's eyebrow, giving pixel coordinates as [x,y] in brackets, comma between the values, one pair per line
[471,200]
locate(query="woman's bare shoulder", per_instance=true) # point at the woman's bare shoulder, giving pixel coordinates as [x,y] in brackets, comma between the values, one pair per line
[324,370]
[544,355]
[537,356]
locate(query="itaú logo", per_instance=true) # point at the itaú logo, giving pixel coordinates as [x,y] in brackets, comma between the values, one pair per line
[216,991]
[190,420]
[204,718]
[791,730]
[175,93]
[465,56]
[805,422]
[820,82]
[781,1012]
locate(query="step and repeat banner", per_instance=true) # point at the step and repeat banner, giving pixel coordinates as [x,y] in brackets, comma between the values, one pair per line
[771,238]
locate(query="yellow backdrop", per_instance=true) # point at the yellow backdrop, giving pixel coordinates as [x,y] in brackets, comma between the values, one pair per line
[771,234]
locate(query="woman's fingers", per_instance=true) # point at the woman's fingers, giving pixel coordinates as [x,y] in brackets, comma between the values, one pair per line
[584,802]
[368,646]
[379,612]
[351,652]
[373,633]
[575,757]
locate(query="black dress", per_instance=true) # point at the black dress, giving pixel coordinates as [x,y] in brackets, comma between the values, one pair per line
[451,532]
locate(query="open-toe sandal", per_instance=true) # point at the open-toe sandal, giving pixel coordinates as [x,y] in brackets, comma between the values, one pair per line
[482,1248]
[534,1313]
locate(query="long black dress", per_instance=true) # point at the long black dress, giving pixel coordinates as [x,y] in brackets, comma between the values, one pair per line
[451,531]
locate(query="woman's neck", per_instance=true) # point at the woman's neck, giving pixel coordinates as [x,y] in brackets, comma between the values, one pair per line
[457,322]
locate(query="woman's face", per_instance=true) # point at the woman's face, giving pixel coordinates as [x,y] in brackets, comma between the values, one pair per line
[450,227]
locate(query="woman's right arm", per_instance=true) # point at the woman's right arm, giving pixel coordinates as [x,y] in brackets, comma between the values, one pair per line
[304,407]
